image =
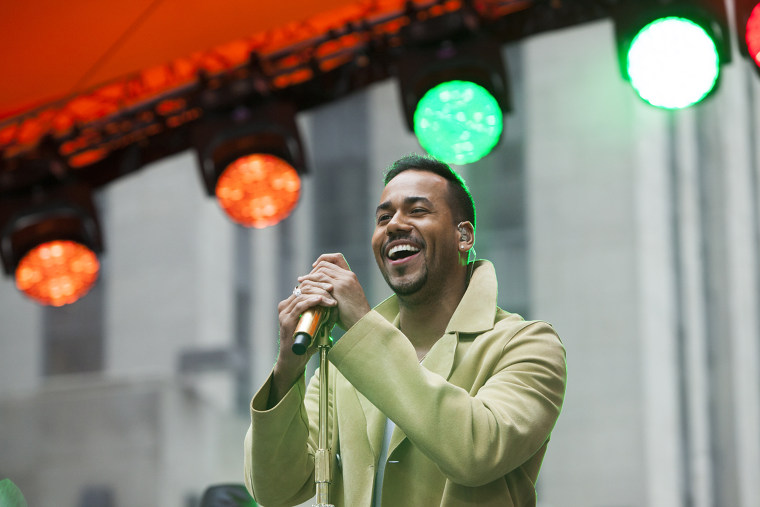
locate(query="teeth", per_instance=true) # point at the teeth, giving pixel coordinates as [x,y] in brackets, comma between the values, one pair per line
[402,248]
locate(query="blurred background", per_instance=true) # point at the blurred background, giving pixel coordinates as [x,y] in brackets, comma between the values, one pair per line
[633,229]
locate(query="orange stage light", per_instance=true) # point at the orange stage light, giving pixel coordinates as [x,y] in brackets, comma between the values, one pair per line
[258,190]
[57,273]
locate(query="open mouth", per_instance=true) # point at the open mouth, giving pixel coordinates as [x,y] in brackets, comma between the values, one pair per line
[402,252]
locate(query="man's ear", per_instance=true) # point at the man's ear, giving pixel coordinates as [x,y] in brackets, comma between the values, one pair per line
[466,236]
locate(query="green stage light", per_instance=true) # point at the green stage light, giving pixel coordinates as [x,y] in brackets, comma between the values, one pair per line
[458,122]
[673,63]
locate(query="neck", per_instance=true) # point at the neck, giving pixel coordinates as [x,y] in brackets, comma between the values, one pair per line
[423,318]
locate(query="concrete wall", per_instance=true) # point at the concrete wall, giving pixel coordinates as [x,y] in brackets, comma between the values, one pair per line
[581,181]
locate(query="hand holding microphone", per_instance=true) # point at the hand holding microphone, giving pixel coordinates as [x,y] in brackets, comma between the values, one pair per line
[307,298]
[332,273]
[308,326]
[330,293]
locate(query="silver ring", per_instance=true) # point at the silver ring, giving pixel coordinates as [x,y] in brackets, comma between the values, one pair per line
[297,291]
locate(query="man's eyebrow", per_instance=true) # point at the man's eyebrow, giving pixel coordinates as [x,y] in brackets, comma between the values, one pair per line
[383,206]
[411,200]
[408,201]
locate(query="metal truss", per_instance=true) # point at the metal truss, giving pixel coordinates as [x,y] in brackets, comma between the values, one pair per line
[98,136]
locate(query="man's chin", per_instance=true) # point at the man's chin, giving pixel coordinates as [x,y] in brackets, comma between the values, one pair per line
[407,288]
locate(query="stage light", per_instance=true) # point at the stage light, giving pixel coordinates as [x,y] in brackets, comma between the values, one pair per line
[458,122]
[752,34]
[453,96]
[57,273]
[258,190]
[672,53]
[748,29]
[673,63]
[251,160]
[50,244]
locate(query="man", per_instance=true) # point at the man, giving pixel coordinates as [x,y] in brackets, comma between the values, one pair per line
[436,396]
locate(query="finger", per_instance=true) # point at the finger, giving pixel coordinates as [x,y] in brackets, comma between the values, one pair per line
[333,258]
[292,311]
[295,305]
[286,303]
[287,311]
[313,286]
[314,297]
[319,276]
[326,272]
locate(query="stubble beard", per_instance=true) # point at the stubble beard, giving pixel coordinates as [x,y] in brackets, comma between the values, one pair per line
[409,287]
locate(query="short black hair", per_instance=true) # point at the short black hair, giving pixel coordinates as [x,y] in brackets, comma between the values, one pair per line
[461,202]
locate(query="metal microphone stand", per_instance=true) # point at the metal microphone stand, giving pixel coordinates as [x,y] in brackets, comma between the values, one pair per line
[322,476]
[311,330]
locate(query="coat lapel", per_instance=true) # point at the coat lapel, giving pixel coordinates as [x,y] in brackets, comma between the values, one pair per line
[440,360]
[376,419]
[375,424]
[473,315]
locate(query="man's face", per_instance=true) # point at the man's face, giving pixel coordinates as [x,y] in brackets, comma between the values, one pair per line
[415,239]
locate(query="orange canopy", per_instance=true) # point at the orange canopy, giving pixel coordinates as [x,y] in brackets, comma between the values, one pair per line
[69,65]
[53,49]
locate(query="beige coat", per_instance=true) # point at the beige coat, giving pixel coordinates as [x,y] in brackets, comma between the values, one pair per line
[472,421]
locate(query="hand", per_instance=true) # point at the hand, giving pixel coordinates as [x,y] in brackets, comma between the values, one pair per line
[307,295]
[332,275]
[290,366]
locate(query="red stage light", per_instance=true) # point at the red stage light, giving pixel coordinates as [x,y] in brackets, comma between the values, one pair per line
[752,34]
[57,273]
[258,190]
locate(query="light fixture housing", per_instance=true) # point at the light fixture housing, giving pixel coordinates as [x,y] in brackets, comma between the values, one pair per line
[51,241]
[671,51]
[251,159]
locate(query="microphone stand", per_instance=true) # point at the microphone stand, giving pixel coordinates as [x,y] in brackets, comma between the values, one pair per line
[311,330]
[322,458]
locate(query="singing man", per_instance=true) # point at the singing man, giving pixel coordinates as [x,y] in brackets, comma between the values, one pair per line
[437,397]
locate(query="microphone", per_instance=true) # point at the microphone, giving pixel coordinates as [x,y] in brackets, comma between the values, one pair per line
[308,326]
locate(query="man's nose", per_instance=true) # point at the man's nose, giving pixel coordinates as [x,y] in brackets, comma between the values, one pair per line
[396,224]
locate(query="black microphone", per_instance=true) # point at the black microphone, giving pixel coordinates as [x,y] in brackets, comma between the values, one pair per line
[308,325]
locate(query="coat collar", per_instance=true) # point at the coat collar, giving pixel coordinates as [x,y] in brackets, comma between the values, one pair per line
[475,312]
[474,315]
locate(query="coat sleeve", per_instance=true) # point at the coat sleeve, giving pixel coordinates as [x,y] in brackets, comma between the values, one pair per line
[281,443]
[473,437]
